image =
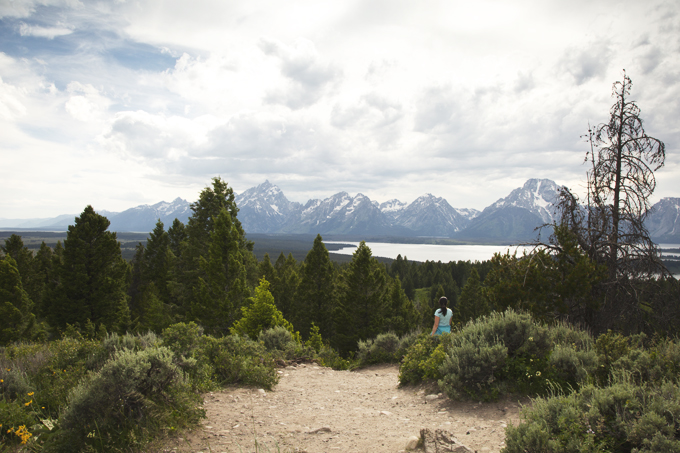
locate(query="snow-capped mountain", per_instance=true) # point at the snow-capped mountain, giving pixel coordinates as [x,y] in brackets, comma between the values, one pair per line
[143,218]
[663,221]
[392,208]
[339,214]
[264,208]
[516,216]
[431,216]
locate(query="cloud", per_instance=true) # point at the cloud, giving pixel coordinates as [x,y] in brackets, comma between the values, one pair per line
[650,59]
[439,110]
[10,105]
[24,8]
[307,75]
[155,139]
[85,102]
[43,32]
[588,62]
[371,112]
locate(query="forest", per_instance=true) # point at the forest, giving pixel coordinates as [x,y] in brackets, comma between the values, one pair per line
[100,353]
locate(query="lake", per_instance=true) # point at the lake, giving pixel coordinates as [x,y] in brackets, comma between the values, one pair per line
[431,252]
[446,253]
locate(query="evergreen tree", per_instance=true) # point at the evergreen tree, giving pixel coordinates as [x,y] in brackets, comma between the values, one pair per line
[472,302]
[261,314]
[222,287]
[45,277]
[206,210]
[176,236]
[92,277]
[285,286]
[156,264]
[136,286]
[194,277]
[17,321]
[317,298]
[402,316]
[362,306]
[23,257]
[266,269]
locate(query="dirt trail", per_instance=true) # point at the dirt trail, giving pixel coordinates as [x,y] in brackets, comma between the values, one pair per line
[315,409]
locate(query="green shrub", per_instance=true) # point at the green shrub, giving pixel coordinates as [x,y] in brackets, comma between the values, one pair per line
[406,341]
[412,369]
[239,360]
[470,367]
[331,358]
[569,367]
[381,349]
[315,341]
[499,353]
[133,397]
[277,338]
[623,417]
[182,338]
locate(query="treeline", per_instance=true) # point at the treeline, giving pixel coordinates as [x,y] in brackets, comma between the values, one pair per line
[205,272]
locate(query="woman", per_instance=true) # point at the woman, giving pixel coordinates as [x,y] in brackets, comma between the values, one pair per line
[442,318]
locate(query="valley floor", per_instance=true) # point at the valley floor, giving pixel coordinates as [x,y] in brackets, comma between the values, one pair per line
[316,409]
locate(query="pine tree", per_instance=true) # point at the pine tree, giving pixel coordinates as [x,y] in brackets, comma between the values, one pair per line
[46,278]
[92,277]
[176,236]
[472,302]
[17,321]
[402,316]
[156,266]
[23,257]
[222,285]
[260,314]
[317,298]
[285,286]
[362,307]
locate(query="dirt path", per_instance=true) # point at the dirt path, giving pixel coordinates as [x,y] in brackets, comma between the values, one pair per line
[315,409]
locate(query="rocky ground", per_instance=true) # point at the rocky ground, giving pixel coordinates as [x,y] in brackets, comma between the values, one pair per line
[316,409]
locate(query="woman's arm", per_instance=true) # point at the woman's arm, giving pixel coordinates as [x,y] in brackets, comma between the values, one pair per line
[436,324]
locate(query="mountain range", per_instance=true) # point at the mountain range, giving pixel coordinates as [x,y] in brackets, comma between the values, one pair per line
[265,209]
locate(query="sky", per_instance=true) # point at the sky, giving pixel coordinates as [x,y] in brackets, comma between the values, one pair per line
[120,103]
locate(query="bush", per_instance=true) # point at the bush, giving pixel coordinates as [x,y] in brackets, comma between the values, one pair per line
[134,396]
[331,358]
[182,339]
[623,417]
[412,369]
[277,338]
[499,353]
[237,359]
[381,349]
[471,366]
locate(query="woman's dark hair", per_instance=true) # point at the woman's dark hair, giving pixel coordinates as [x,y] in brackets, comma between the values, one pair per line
[442,306]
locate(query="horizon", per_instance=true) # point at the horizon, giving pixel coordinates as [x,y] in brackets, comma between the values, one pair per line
[114,104]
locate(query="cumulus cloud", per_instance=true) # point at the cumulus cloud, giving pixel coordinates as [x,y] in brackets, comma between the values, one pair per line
[588,62]
[85,102]
[307,75]
[439,110]
[370,111]
[10,105]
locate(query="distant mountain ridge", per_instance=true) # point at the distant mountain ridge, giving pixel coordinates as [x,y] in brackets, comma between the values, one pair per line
[265,209]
